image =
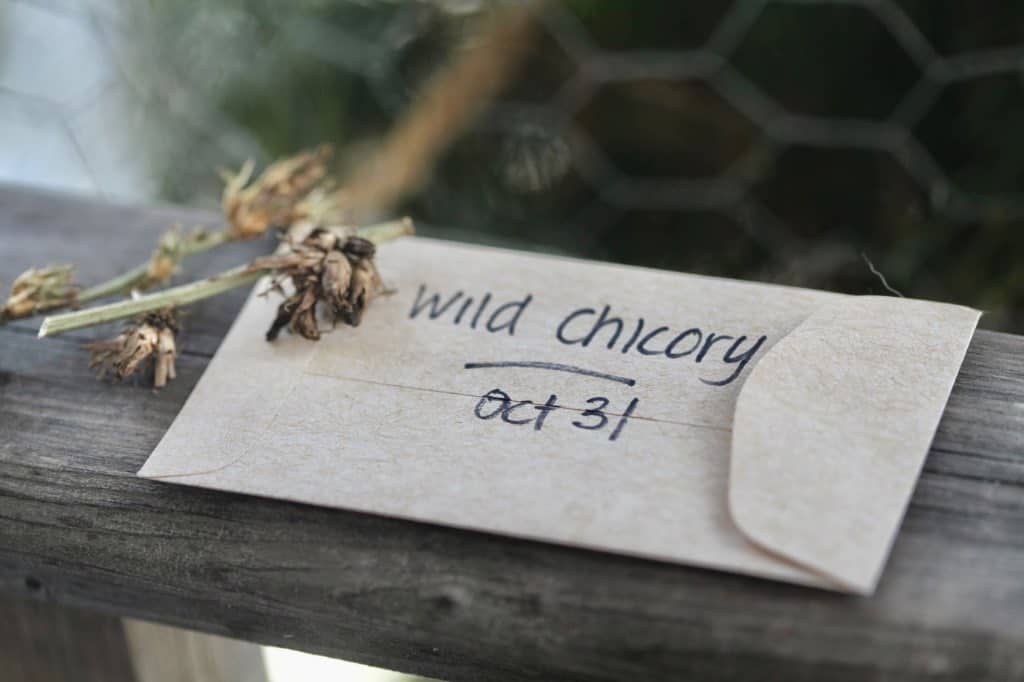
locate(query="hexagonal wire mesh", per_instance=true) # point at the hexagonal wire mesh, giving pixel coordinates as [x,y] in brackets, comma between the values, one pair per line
[777,140]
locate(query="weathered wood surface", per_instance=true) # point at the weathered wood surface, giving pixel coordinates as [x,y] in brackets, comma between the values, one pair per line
[79,529]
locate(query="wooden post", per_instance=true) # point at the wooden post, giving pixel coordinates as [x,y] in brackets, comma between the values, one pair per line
[46,643]
[161,653]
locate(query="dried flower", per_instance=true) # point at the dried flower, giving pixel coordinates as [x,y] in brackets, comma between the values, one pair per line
[37,289]
[335,280]
[165,259]
[366,283]
[276,197]
[334,270]
[152,336]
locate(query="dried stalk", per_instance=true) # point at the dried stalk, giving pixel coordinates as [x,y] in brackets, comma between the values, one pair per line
[157,268]
[172,249]
[285,192]
[250,206]
[194,291]
[452,102]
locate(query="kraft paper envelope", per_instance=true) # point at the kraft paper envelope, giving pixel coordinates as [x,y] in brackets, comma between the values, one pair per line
[753,428]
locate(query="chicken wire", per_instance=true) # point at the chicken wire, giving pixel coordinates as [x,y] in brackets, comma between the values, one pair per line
[779,140]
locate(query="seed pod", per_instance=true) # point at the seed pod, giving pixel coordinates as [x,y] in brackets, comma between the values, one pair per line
[284,317]
[325,268]
[166,352]
[322,239]
[105,353]
[152,336]
[366,284]
[357,247]
[138,345]
[39,288]
[275,198]
[335,281]
[303,320]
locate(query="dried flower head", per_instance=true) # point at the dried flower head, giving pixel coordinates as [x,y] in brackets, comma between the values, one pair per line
[275,198]
[37,289]
[335,271]
[173,247]
[151,336]
[165,259]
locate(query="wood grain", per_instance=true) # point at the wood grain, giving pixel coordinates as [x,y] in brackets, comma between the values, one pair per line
[79,529]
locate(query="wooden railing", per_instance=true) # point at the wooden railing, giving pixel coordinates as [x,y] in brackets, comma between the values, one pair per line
[78,530]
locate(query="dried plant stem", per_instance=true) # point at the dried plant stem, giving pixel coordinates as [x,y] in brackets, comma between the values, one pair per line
[131,279]
[175,296]
[194,291]
[139,277]
[457,95]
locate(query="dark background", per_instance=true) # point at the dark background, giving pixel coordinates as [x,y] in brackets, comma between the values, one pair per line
[772,141]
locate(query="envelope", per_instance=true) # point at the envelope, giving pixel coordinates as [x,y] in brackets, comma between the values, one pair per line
[746,427]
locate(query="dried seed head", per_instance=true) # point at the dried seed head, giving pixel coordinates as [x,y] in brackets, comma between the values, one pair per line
[151,336]
[303,320]
[166,353]
[357,247]
[139,343]
[334,271]
[37,289]
[322,238]
[366,285]
[161,267]
[335,281]
[275,198]
[284,316]
[165,259]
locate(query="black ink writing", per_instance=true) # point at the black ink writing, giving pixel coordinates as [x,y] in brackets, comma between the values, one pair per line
[587,326]
[497,404]
[722,357]
[556,366]
[504,317]
[597,412]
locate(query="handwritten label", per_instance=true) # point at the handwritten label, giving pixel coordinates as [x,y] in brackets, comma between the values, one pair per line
[467,320]
[586,326]
[498,403]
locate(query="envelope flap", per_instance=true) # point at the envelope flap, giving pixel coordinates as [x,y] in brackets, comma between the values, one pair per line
[832,427]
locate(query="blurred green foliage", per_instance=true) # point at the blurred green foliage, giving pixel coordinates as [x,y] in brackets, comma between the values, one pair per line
[598,174]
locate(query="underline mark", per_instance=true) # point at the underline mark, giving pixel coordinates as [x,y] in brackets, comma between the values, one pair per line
[556,366]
